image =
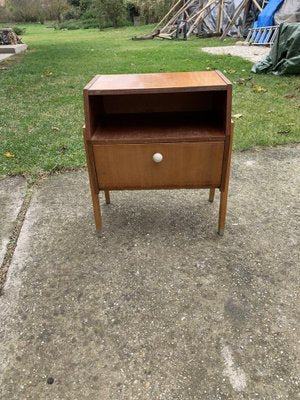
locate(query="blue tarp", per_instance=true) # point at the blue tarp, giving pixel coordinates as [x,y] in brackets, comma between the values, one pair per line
[266,17]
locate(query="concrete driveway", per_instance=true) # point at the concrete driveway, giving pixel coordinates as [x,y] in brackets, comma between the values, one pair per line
[159,306]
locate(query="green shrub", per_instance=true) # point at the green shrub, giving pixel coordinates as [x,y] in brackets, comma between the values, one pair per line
[69,25]
[78,24]
[85,5]
[19,31]
[71,14]
[110,13]
[152,10]
[89,23]
[88,14]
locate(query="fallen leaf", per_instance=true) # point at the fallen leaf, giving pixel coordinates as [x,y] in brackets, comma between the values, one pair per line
[8,155]
[55,128]
[284,132]
[231,71]
[289,96]
[259,89]
[208,68]
[62,149]
[47,74]
[237,116]
[243,81]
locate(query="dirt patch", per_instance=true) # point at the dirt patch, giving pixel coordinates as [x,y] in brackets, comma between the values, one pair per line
[251,53]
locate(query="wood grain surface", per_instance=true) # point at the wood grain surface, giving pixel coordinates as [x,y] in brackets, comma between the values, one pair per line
[184,165]
[153,83]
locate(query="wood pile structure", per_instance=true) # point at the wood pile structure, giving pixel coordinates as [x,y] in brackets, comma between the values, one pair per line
[186,16]
[8,37]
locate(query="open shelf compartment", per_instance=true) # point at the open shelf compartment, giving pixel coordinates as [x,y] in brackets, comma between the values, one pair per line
[162,117]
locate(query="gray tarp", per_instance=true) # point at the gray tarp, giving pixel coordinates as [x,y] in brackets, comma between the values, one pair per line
[284,57]
[288,12]
[229,8]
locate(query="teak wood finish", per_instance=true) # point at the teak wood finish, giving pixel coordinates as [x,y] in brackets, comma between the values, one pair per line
[193,165]
[185,117]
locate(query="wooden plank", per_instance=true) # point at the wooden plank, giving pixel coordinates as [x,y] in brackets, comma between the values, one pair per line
[235,17]
[176,16]
[88,128]
[220,16]
[167,15]
[246,11]
[257,5]
[201,15]
[126,131]
[164,82]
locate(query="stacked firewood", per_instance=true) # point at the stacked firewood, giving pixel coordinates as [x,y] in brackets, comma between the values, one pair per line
[8,37]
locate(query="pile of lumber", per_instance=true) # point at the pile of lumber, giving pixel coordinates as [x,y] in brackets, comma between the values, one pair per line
[186,16]
[8,37]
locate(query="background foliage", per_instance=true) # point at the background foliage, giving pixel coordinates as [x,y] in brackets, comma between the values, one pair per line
[103,13]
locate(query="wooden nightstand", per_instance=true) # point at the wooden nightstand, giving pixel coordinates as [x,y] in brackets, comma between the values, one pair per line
[158,131]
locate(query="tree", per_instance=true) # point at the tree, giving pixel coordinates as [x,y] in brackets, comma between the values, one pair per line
[38,10]
[109,12]
[56,8]
[74,3]
[153,10]
[27,10]
[84,5]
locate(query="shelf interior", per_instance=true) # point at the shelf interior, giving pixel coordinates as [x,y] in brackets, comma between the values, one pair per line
[161,117]
[158,127]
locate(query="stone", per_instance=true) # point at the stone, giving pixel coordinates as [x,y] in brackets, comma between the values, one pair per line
[13,49]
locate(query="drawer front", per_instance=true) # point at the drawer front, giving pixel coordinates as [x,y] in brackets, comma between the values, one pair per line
[175,165]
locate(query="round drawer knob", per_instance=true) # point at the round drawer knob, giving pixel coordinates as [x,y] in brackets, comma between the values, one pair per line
[157,157]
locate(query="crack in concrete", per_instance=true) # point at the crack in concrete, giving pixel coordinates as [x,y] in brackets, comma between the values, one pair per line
[13,240]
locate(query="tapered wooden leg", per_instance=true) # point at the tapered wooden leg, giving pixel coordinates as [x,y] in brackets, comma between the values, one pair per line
[97,212]
[222,211]
[107,196]
[211,195]
[225,181]
[93,181]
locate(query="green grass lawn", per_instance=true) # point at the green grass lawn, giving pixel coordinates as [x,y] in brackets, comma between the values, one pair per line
[41,113]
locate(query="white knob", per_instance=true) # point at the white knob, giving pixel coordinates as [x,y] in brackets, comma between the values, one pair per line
[157,157]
